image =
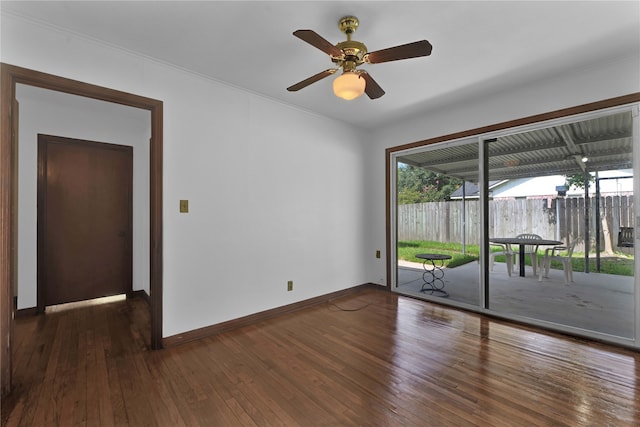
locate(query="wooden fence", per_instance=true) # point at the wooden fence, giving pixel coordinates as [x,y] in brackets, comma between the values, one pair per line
[553,218]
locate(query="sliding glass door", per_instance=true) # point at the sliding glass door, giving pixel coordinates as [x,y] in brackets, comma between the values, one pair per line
[537,224]
[438,228]
[567,187]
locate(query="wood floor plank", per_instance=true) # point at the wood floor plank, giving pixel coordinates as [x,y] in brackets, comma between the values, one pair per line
[372,359]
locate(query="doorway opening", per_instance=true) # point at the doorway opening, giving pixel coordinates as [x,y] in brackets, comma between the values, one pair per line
[11,76]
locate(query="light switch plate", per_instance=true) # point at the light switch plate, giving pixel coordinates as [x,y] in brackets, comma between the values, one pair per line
[184,206]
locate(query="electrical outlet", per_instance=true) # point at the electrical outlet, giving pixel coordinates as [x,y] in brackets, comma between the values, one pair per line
[290,285]
[378,254]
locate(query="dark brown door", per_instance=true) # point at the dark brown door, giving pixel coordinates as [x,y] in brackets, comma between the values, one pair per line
[84,220]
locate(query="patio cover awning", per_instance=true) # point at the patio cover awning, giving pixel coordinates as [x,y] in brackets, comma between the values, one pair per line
[606,142]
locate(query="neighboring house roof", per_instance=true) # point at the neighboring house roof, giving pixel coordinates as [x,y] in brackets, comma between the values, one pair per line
[544,186]
[472,190]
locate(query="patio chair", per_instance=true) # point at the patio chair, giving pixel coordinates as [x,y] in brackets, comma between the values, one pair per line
[625,237]
[554,254]
[508,253]
[531,250]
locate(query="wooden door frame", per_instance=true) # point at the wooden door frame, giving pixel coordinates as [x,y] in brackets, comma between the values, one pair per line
[10,75]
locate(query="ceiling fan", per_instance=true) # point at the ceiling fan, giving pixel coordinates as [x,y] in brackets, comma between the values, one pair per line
[349,54]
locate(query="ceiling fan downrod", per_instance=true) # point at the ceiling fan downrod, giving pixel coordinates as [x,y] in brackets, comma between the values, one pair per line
[353,50]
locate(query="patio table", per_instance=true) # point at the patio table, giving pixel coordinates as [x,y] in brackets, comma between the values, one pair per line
[433,278]
[522,243]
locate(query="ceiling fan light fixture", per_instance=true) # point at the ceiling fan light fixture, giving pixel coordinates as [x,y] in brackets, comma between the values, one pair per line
[349,85]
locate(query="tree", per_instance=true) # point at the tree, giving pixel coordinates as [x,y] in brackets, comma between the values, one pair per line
[418,185]
[577,180]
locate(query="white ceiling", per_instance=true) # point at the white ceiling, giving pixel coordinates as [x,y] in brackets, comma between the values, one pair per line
[479,47]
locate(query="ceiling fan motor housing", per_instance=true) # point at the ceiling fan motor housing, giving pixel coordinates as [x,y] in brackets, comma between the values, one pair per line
[353,51]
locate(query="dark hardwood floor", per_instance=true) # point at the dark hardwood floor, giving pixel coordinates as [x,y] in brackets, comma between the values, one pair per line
[372,359]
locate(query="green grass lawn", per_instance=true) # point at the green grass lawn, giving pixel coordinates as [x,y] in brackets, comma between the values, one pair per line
[407,250]
[618,264]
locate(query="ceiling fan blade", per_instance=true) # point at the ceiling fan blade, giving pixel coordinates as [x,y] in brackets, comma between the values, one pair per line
[405,51]
[372,88]
[306,82]
[314,39]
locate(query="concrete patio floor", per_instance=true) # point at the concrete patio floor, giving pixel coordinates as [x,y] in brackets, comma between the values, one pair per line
[594,301]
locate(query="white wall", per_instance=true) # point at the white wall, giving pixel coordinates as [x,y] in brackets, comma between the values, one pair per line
[275,193]
[55,113]
[578,87]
